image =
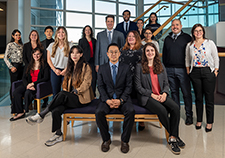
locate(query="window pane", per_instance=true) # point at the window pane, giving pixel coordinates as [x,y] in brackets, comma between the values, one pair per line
[100,21]
[153,10]
[74,34]
[184,21]
[123,7]
[128,1]
[193,20]
[162,20]
[150,1]
[164,11]
[105,7]
[45,17]
[84,19]
[97,31]
[78,5]
[55,4]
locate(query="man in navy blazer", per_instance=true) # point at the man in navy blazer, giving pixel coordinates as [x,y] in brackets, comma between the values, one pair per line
[104,38]
[114,86]
[127,25]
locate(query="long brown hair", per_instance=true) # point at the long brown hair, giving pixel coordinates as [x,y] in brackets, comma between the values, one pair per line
[32,62]
[193,30]
[137,44]
[38,42]
[157,65]
[65,41]
[78,68]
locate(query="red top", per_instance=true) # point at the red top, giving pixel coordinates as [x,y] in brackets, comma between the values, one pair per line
[91,48]
[155,82]
[34,75]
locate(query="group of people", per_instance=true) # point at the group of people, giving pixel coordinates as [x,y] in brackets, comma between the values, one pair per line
[124,65]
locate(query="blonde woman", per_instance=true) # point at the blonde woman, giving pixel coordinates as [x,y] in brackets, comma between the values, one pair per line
[57,57]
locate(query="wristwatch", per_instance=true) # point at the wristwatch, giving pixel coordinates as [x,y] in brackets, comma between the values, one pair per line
[121,101]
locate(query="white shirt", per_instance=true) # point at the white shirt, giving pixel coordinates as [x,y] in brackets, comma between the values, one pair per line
[124,25]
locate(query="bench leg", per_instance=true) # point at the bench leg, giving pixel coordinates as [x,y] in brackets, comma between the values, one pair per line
[64,127]
[38,105]
[167,135]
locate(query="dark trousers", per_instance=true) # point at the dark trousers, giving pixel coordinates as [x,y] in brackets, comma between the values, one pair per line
[178,78]
[128,111]
[56,82]
[162,110]
[62,101]
[94,75]
[15,76]
[204,81]
[17,99]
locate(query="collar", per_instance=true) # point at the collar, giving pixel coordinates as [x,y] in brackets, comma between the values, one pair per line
[171,34]
[126,22]
[110,30]
[117,64]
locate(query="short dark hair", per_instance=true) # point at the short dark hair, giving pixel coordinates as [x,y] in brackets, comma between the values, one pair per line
[126,11]
[49,27]
[112,44]
[109,16]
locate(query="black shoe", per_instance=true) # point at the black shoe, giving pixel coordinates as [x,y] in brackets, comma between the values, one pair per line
[189,120]
[14,119]
[105,145]
[124,147]
[174,146]
[141,128]
[208,129]
[180,143]
[198,127]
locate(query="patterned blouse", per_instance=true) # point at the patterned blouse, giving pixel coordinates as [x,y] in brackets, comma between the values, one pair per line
[131,57]
[200,59]
[15,53]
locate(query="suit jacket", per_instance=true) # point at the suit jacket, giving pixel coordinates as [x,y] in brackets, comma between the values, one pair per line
[86,48]
[27,48]
[123,85]
[43,76]
[84,91]
[132,26]
[143,84]
[102,44]
[44,44]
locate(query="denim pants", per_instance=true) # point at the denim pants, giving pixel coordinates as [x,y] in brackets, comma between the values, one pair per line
[56,82]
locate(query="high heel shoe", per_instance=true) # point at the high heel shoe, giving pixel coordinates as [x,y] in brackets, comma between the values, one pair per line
[198,127]
[208,129]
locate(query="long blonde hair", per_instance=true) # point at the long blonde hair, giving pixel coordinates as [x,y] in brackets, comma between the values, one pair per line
[65,41]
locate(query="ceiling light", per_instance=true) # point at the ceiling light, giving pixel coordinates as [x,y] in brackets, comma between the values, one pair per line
[1,10]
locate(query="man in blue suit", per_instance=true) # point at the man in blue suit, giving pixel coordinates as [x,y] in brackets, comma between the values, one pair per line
[127,25]
[104,38]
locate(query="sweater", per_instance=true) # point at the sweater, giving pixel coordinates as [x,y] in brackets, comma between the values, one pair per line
[174,50]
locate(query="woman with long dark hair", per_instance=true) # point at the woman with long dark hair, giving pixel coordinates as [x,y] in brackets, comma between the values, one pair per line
[148,38]
[154,24]
[153,89]
[35,72]
[57,58]
[14,51]
[88,44]
[77,92]
[202,64]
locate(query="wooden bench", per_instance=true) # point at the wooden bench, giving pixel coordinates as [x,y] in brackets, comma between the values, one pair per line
[88,114]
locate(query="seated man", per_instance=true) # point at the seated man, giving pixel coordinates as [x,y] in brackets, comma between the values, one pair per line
[115,86]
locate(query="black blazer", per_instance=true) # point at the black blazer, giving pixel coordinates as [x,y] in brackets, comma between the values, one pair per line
[43,76]
[143,84]
[132,26]
[86,48]
[27,48]
[123,85]
[44,44]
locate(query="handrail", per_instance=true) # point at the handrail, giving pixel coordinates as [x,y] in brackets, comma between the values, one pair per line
[178,18]
[1,56]
[147,10]
[157,12]
[173,16]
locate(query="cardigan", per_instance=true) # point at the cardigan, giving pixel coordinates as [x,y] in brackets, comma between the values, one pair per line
[210,52]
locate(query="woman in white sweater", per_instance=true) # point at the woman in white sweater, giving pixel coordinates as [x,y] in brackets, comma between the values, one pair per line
[202,63]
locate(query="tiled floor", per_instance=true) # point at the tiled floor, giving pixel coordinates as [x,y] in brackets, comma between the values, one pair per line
[20,140]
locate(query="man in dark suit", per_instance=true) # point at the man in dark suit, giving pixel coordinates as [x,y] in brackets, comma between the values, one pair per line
[127,25]
[104,38]
[45,43]
[115,86]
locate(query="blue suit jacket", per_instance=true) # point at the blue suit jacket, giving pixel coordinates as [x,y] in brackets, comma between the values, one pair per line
[132,26]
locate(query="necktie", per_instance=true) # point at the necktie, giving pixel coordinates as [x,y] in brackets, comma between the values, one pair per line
[114,78]
[174,37]
[109,37]
[126,27]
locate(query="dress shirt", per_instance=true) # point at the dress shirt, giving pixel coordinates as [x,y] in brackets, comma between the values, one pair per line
[124,25]
[110,64]
[111,33]
[176,35]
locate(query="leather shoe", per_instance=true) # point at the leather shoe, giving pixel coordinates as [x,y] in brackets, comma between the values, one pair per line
[141,128]
[208,129]
[189,120]
[124,147]
[198,127]
[14,119]
[105,145]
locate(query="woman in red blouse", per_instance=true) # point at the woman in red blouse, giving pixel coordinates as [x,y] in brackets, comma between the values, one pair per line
[35,72]
[153,88]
